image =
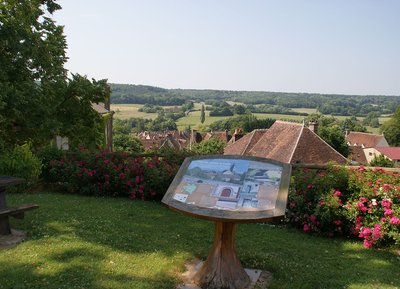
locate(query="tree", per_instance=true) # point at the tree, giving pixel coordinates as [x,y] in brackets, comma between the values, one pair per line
[335,138]
[381,161]
[36,97]
[372,119]
[127,143]
[209,147]
[202,114]
[391,129]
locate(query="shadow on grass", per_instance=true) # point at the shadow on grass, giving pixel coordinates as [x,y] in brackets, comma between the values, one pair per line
[26,275]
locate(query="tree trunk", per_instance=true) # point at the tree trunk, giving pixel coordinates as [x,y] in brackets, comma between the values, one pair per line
[222,269]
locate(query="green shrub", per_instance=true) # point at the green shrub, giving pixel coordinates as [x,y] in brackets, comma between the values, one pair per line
[353,203]
[113,174]
[315,200]
[21,162]
[47,154]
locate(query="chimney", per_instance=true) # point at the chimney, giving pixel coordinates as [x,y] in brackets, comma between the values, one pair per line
[313,126]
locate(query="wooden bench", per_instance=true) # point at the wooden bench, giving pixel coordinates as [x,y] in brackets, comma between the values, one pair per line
[16,212]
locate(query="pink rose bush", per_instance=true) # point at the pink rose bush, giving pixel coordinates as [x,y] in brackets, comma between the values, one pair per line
[358,202]
[114,174]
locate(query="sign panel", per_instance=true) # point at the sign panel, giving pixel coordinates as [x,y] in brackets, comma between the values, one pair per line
[230,188]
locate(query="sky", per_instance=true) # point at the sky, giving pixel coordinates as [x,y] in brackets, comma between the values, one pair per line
[315,46]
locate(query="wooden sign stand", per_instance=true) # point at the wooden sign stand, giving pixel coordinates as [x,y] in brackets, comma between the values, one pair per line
[222,269]
[214,179]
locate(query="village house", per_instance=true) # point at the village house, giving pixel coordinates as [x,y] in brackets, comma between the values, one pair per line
[288,143]
[366,146]
[178,140]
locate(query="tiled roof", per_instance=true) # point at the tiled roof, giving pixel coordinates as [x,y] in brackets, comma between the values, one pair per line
[245,143]
[99,108]
[286,142]
[222,135]
[311,149]
[392,153]
[357,154]
[368,140]
[278,142]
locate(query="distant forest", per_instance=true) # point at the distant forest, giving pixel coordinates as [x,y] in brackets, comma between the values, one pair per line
[331,104]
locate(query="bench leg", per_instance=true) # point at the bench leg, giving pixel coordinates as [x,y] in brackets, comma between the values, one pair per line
[5,226]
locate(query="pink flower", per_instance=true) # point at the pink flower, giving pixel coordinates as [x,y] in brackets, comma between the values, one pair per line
[362,199]
[306,228]
[321,203]
[394,220]
[376,232]
[313,219]
[122,176]
[365,232]
[386,203]
[388,212]
[367,244]
[310,186]
[361,207]
[374,203]
[337,193]
[337,222]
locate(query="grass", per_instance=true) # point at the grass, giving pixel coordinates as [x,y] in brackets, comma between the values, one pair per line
[86,242]
[124,111]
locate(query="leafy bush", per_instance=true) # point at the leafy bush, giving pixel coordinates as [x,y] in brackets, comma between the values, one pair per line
[113,174]
[21,162]
[315,200]
[381,161]
[374,207]
[209,147]
[355,203]
[47,154]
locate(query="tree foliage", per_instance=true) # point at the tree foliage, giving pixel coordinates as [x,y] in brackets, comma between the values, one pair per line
[381,161]
[127,143]
[391,129]
[209,147]
[359,105]
[37,100]
[202,114]
[246,122]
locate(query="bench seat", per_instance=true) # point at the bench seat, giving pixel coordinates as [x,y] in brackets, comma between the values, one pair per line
[17,212]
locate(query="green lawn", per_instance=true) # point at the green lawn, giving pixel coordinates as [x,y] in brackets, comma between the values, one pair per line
[86,242]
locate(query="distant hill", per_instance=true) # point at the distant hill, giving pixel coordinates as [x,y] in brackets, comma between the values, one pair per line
[335,104]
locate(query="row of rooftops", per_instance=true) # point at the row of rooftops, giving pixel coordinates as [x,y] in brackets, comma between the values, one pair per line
[284,141]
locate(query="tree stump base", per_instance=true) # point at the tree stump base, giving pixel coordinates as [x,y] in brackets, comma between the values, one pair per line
[222,269]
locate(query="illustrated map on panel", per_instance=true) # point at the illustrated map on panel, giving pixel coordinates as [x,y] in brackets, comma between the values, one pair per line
[230,184]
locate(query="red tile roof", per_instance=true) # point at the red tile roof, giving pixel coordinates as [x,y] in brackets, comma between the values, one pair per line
[286,142]
[278,142]
[368,140]
[245,143]
[311,149]
[357,154]
[392,153]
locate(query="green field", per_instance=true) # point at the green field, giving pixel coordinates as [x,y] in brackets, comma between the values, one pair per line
[124,111]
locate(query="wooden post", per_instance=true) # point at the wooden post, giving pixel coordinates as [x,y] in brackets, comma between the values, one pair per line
[222,269]
[4,220]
